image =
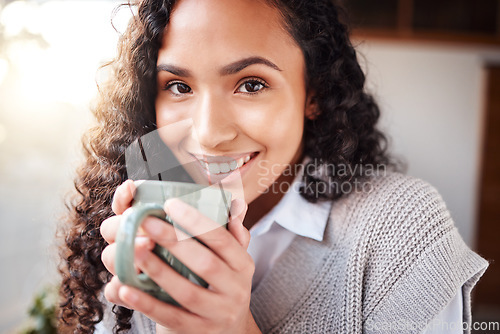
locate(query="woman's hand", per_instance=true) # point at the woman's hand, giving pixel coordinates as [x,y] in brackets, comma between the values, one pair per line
[225,265]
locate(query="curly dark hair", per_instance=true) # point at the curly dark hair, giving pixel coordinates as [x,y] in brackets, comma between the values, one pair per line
[342,132]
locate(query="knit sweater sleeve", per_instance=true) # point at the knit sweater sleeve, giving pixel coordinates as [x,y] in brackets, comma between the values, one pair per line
[417,260]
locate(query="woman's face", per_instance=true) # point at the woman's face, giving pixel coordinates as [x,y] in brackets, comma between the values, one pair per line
[231,91]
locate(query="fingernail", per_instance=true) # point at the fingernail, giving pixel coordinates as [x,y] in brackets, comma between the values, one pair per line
[143,241]
[153,227]
[131,186]
[174,206]
[128,295]
[238,205]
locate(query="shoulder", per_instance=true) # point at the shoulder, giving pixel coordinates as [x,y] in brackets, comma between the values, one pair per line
[393,205]
[395,190]
[396,222]
[402,239]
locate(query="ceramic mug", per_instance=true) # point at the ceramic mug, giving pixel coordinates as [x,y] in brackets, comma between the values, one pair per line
[211,201]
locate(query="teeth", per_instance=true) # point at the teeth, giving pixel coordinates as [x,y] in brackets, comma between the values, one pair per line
[214,168]
[224,167]
[233,165]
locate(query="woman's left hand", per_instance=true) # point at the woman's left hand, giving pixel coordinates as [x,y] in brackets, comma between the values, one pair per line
[224,264]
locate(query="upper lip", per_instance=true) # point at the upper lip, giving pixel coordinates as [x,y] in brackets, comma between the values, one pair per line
[220,158]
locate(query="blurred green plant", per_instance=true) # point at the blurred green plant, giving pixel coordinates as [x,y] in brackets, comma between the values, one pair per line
[42,313]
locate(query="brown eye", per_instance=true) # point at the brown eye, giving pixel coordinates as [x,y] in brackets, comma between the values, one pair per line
[183,89]
[178,88]
[251,86]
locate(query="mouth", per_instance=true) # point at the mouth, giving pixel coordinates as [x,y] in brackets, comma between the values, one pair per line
[223,165]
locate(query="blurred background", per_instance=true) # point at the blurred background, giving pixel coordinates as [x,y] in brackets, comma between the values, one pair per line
[434,67]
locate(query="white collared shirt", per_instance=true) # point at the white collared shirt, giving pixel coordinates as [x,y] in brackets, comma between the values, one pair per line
[294,215]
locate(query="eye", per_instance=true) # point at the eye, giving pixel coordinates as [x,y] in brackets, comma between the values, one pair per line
[178,88]
[252,86]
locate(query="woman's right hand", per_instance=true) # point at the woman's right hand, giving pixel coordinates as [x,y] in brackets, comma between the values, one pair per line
[122,200]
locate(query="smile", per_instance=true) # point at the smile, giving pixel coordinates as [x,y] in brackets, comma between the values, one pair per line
[216,165]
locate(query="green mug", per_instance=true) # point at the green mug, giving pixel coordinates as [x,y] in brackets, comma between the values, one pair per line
[211,201]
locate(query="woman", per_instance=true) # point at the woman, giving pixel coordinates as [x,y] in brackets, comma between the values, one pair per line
[342,246]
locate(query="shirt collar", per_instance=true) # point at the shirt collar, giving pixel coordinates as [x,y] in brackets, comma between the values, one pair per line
[296,214]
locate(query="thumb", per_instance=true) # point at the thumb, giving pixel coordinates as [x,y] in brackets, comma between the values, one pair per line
[123,197]
[235,226]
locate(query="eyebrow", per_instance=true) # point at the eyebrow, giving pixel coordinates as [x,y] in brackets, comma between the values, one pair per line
[229,69]
[175,70]
[239,65]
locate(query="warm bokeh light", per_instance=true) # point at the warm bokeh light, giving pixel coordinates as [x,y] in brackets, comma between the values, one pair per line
[3,133]
[19,15]
[4,68]
[54,50]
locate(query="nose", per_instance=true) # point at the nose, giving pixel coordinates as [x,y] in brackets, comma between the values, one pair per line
[213,123]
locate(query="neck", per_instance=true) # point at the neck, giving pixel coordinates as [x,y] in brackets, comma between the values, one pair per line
[259,207]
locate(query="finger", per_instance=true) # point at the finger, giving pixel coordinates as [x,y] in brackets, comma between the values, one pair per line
[191,296]
[123,197]
[109,227]
[108,258]
[189,218]
[222,243]
[167,315]
[238,208]
[202,260]
[240,232]
[235,225]
[142,245]
[111,292]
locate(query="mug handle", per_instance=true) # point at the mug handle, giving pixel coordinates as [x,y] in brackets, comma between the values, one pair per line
[125,240]
[124,263]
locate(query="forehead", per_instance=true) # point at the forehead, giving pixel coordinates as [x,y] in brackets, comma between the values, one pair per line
[225,29]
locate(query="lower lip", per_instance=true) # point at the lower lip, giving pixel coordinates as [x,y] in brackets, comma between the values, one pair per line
[230,176]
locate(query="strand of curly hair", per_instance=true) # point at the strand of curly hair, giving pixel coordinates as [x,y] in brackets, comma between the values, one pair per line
[342,132]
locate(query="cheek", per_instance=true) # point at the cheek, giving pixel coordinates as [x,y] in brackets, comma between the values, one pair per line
[172,130]
[165,115]
[174,124]
[281,130]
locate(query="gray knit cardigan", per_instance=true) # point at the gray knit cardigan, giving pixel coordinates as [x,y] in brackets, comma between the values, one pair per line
[390,261]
